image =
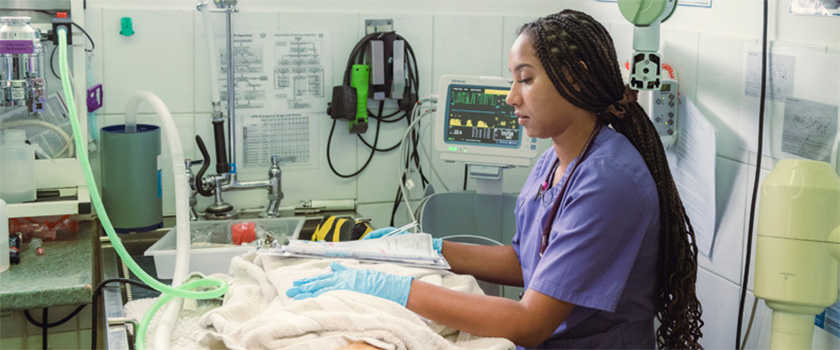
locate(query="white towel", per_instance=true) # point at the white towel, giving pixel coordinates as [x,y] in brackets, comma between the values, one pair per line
[256,314]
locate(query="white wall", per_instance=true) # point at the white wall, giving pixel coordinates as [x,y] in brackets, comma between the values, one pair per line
[705,45]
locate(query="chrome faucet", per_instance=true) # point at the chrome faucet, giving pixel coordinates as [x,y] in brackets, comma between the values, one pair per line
[225,177]
[191,181]
[273,185]
[215,185]
[275,192]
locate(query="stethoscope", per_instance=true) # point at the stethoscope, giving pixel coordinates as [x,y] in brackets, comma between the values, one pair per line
[544,187]
[546,232]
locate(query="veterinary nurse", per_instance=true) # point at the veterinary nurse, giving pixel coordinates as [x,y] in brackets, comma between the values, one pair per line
[602,245]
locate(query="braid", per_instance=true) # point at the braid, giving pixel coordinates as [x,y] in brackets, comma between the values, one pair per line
[579,58]
[678,309]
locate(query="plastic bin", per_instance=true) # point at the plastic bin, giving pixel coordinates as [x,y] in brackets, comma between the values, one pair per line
[209,260]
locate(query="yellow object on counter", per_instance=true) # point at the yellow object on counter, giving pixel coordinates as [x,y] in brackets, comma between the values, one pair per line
[336,229]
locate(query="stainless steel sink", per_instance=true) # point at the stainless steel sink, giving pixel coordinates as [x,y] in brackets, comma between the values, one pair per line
[115,295]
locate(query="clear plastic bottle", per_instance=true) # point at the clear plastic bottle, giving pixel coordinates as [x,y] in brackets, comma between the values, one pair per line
[17,173]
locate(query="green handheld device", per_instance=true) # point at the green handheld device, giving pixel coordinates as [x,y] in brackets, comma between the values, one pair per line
[359,79]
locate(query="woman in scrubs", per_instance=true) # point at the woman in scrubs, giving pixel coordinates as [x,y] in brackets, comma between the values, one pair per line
[602,246]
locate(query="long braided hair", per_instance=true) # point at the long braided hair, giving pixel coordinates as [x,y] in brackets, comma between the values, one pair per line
[578,55]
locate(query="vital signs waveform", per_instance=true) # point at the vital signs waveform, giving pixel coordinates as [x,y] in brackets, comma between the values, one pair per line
[471,98]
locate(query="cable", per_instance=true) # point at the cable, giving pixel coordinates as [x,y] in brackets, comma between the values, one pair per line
[466,171]
[329,160]
[381,103]
[52,324]
[749,324]
[402,178]
[94,302]
[482,238]
[401,171]
[422,206]
[357,56]
[52,68]
[757,178]
[395,206]
[429,159]
[92,44]
[46,325]
[68,140]
[185,290]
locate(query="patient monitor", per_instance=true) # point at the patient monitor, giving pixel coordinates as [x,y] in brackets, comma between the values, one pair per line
[474,125]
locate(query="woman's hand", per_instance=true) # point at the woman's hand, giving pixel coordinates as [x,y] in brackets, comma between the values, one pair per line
[387,286]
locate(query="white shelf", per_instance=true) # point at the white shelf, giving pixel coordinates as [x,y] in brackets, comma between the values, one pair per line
[80,205]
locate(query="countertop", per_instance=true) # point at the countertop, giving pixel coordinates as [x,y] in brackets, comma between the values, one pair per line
[62,276]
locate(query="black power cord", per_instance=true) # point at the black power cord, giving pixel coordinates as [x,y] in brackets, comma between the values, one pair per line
[466,172]
[52,324]
[92,44]
[46,324]
[52,55]
[757,178]
[357,56]
[372,151]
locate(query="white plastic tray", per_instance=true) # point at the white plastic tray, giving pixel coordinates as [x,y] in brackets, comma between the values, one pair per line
[217,259]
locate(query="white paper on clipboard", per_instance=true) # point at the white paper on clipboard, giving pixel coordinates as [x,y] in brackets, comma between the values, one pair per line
[408,249]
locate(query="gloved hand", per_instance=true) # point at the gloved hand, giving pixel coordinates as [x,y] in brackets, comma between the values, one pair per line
[379,284]
[437,243]
[378,233]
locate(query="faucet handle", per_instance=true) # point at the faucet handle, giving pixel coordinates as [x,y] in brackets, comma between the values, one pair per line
[275,160]
[188,163]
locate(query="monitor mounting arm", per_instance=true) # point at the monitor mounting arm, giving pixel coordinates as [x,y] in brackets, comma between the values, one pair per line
[646,16]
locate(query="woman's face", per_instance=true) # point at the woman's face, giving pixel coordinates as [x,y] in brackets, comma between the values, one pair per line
[540,108]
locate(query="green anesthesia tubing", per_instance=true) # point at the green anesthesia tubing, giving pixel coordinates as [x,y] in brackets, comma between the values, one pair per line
[184,290]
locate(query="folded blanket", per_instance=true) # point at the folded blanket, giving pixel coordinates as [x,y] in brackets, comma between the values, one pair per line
[256,314]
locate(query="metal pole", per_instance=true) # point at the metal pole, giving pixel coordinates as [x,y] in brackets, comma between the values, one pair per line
[231,88]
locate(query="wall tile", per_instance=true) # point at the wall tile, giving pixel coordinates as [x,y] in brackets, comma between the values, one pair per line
[467,45]
[11,343]
[242,21]
[731,196]
[719,90]
[719,299]
[13,324]
[157,58]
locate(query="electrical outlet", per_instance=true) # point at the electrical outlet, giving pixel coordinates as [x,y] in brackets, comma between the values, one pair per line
[665,105]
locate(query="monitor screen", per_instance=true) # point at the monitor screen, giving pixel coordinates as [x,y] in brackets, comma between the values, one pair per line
[479,115]
[475,125]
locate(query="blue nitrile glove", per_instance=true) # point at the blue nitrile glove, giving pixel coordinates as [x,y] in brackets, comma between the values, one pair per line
[437,243]
[378,233]
[387,286]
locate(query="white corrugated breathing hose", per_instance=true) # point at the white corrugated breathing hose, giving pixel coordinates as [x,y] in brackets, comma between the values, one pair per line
[182,218]
[181,204]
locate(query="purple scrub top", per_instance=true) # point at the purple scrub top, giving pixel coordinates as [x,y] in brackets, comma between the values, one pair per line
[602,252]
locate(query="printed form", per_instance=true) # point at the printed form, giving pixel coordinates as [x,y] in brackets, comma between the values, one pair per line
[692,163]
[414,249]
[280,81]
